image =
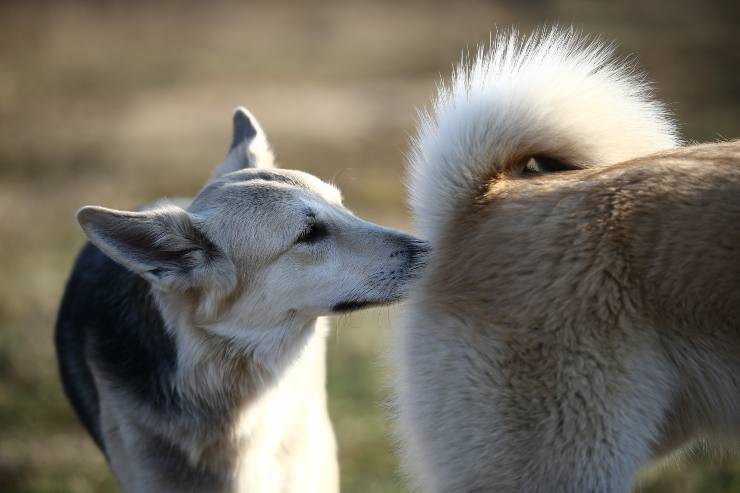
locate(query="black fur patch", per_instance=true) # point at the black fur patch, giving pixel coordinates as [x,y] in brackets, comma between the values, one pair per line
[108,318]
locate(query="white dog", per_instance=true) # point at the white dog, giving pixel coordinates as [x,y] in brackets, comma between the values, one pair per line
[577,317]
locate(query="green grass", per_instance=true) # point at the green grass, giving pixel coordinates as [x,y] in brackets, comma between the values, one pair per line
[121,103]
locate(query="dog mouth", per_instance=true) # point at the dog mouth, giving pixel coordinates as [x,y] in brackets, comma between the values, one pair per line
[354,305]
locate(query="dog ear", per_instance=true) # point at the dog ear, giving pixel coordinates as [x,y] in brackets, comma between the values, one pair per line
[249,146]
[161,245]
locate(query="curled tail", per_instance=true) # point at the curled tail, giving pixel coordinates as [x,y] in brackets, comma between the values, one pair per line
[555,96]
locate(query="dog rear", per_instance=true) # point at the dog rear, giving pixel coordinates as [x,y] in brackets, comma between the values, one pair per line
[578,317]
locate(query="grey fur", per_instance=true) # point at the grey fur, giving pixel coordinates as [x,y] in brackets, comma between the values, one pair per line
[249,147]
[243,128]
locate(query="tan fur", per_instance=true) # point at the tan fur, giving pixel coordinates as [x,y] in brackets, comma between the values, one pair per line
[597,312]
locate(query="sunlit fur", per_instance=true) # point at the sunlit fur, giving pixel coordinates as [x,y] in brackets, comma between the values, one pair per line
[571,326]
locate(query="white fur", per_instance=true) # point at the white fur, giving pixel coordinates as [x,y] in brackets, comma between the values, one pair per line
[552,93]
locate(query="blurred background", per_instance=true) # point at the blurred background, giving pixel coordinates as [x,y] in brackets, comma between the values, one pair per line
[120,103]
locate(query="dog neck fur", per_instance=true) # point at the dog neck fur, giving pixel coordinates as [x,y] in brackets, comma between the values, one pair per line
[210,350]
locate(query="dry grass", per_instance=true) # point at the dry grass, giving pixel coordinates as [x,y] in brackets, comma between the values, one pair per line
[120,103]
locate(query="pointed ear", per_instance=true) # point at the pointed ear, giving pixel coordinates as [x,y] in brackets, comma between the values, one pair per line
[249,146]
[161,245]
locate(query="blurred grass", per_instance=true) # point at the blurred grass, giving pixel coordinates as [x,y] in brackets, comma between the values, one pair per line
[119,103]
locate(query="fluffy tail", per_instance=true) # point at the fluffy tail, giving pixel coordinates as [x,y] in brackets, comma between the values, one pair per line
[554,95]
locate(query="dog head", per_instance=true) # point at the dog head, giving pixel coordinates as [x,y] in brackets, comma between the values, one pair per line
[259,246]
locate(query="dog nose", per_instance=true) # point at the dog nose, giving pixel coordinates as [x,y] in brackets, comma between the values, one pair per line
[417,251]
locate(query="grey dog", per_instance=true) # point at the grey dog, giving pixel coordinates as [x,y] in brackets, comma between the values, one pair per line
[190,341]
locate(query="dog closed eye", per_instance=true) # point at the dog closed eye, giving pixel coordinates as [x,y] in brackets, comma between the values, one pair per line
[313,233]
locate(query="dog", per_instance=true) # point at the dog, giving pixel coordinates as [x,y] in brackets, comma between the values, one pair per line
[579,316]
[190,339]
